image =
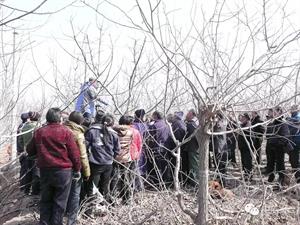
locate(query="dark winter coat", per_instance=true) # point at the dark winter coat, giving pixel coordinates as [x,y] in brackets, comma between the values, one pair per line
[191,145]
[179,131]
[141,127]
[231,137]
[269,133]
[100,153]
[159,134]
[279,133]
[244,138]
[258,131]
[294,128]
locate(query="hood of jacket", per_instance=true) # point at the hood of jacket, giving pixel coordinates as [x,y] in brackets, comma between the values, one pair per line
[122,130]
[74,126]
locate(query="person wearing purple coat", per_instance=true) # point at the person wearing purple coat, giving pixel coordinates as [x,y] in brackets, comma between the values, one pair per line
[179,130]
[158,150]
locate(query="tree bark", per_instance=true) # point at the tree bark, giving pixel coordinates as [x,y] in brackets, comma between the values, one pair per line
[202,198]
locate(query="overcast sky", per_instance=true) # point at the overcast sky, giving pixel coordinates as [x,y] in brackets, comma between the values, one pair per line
[51,35]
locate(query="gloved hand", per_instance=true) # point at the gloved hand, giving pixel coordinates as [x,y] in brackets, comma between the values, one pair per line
[76,176]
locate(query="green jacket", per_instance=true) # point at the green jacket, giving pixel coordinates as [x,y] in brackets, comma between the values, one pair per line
[78,133]
[25,138]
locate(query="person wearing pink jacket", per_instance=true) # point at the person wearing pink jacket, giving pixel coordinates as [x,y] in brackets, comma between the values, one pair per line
[124,167]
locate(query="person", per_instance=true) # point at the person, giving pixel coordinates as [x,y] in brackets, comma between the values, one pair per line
[20,152]
[103,146]
[179,130]
[86,124]
[294,155]
[32,174]
[231,140]
[57,153]
[257,133]
[244,144]
[74,124]
[141,169]
[158,151]
[278,141]
[178,126]
[131,146]
[24,118]
[269,146]
[220,148]
[170,117]
[190,163]
[86,99]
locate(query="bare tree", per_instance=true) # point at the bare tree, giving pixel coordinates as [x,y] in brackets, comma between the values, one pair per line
[229,60]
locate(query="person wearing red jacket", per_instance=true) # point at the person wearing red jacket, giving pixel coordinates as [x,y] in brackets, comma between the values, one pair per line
[136,144]
[57,154]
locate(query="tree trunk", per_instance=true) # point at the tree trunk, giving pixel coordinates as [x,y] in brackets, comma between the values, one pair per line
[203,140]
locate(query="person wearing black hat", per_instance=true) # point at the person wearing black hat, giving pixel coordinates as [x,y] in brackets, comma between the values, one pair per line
[244,144]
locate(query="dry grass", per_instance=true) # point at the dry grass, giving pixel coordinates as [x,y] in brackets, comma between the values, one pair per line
[275,207]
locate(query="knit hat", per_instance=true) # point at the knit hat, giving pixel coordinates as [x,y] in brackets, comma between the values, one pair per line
[34,116]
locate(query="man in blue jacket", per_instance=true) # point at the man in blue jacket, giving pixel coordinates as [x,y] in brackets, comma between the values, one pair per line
[86,99]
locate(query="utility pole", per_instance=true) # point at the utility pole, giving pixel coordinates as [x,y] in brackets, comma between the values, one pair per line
[13,93]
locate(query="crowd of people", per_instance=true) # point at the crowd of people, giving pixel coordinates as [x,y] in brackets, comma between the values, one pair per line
[68,160]
[279,131]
